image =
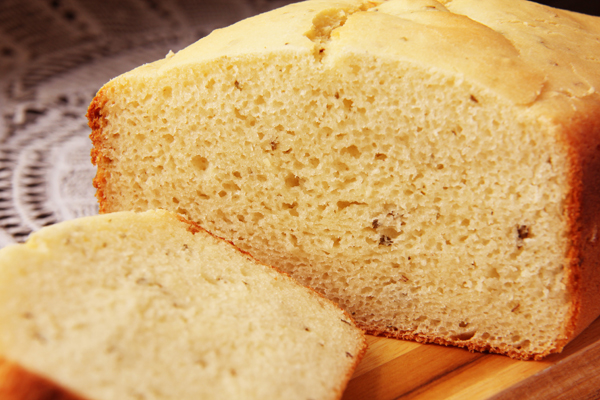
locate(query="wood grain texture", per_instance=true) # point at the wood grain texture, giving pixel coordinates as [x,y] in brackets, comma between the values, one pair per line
[396,369]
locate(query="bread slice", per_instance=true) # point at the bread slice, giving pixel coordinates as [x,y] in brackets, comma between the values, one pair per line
[148,306]
[432,166]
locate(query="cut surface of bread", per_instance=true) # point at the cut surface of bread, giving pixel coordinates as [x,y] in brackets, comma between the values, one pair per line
[145,305]
[433,167]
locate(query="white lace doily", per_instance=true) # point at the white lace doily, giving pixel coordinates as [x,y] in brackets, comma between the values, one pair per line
[54,56]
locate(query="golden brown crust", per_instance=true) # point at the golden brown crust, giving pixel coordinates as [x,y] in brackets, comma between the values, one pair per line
[471,345]
[97,121]
[17,383]
[582,136]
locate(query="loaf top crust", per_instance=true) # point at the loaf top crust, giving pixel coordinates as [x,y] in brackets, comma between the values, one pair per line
[523,51]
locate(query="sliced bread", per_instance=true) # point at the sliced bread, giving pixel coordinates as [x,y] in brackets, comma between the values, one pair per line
[148,306]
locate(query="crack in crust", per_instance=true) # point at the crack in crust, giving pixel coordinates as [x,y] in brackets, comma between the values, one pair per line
[325,22]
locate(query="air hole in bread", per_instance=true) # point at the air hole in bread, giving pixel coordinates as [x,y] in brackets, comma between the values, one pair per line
[200,163]
[464,336]
[292,180]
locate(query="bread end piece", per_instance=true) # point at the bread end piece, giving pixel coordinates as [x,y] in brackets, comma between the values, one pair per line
[128,305]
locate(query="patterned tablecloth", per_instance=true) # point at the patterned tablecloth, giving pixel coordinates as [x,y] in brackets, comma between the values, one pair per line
[54,56]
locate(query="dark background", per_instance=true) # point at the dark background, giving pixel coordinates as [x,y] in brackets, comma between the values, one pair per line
[583,6]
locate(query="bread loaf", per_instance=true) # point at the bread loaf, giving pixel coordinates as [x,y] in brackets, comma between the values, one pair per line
[148,306]
[432,166]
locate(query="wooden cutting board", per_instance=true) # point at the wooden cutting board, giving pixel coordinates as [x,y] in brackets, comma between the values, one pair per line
[397,369]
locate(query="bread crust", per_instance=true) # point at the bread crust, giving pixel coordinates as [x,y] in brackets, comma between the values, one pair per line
[581,134]
[17,383]
[471,345]
[97,121]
